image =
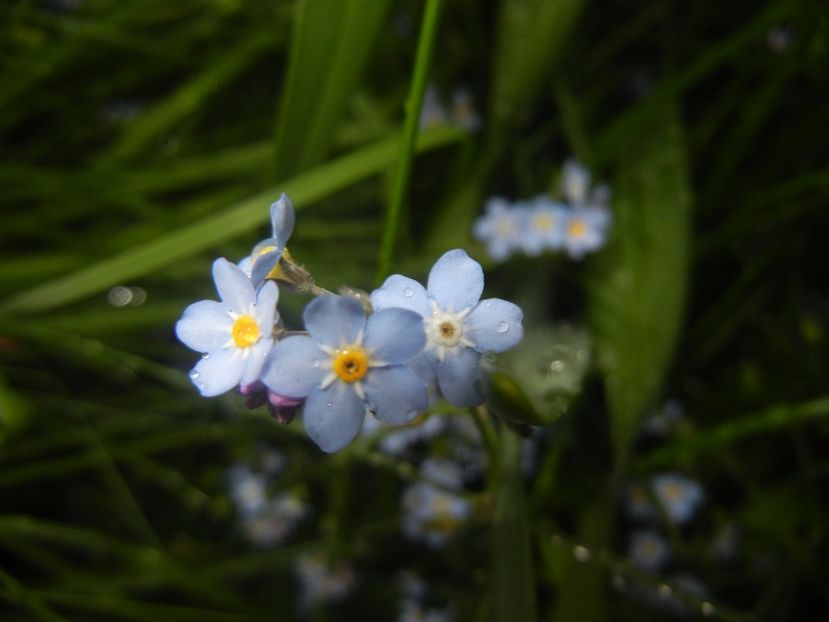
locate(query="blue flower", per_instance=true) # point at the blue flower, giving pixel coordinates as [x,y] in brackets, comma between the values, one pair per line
[459,325]
[500,228]
[235,334]
[263,260]
[678,495]
[585,230]
[349,364]
[648,550]
[543,222]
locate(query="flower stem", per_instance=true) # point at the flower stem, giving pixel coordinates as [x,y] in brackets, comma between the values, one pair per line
[428,33]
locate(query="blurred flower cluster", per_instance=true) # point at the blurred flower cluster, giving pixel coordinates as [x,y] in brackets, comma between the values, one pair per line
[577,225]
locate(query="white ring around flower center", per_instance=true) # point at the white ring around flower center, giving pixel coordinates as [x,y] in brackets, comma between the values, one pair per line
[444,330]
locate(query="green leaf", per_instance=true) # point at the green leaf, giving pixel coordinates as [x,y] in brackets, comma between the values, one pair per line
[532,33]
[536,381]
[637,288]
[244,216]
[329,51]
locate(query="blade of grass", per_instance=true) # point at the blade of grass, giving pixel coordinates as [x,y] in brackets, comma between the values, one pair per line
[307,188]
[329,51]
[708,440]
[425,45]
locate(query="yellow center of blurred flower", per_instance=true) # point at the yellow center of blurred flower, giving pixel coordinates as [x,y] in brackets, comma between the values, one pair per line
[350,364]
[543,222]
[576,228]
[245,331]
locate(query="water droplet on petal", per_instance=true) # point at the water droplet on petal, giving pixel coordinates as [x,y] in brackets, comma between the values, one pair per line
[408,292]
[330,404]
[316,363]
[502,327]
[194,375]
[205,357]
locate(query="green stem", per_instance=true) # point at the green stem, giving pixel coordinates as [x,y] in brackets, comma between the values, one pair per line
[428,33]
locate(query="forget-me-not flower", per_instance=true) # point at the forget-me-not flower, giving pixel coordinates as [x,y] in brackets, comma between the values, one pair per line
[235,334]
[263,261]
[433,511]
[459,325]
[501,228]
[648,550]
[585,230]
[349,364]
[543,221]
[678,495]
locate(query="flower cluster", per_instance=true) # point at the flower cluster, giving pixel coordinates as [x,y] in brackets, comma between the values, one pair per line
[578,225]
[350,360]
[461,112]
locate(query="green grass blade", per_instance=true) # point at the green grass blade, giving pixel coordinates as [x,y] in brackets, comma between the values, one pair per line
[244,216]
[329,52]
[512,569]
[532,33]
[715,438]
[414,103]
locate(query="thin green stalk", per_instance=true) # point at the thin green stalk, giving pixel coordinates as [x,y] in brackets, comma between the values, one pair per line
[428,33]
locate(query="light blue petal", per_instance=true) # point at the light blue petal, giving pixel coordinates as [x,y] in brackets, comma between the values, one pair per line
[218,372]
[266,301]
[403,292]
[282,219]
[334,321]
[205,326]
[424,365]
[255,359]
[456,281]
[235,289]
[265,255]
[495,325]
[395,394]
[575,182]
[459,378]
[394,335]
[295,366]
[333,416]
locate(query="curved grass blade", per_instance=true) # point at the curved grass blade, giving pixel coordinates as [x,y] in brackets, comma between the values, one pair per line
[244,216]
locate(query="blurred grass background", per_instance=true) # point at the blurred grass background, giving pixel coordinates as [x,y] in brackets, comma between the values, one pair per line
[139,140]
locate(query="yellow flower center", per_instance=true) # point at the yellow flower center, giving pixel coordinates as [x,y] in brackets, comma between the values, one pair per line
[350,364]
[505,227]
[543,222]
[245,331]
[576,228]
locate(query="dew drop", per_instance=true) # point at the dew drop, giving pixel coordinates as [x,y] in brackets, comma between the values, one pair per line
[330,404]
[194,375]
[502,327]
[205,357]
[707,609]
[316,363]
[408,292]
